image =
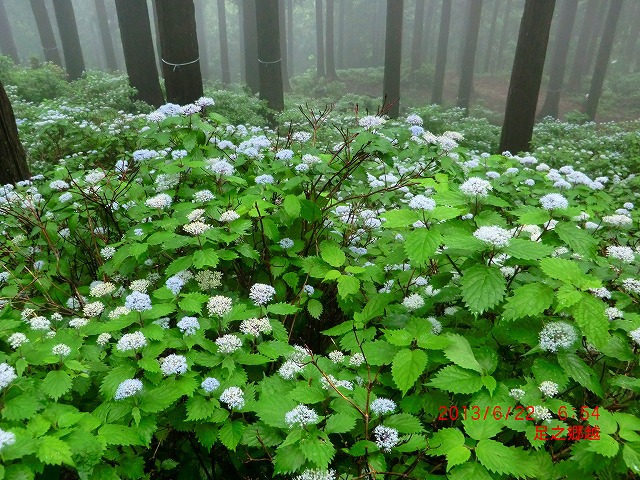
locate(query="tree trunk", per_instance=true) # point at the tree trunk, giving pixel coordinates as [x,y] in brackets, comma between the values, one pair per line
[469,55]
[156,34]
[47,38]
[526,75]
[319,41]
[441,60]
[68,29]
[224,43]
[330,50]
[13,159]
[579,61]
[490,40]
[341,14]
[289,39]
[269,58]
[179,46]
[392,57]
[594,40]
[632,39]
[602,60]
[416,40]
[203,42]
[427,40]
[282,24]
[250,36]
[105,35]
[7,44]
[559,59]
[139,53]
[503,38]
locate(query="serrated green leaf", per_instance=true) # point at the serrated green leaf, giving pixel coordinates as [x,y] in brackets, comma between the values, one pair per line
[56,384]
[291,205]
[120,435]
[481,428]
[457,380]
[528,300]
[470,470]
[399,218]
[193,302]
[482,287]
[631,458]
[590,316]
[205,258]
[21,407]
[178,265]
[282,309]
[318,450]
[576,239]
[231,433]
[199,408]
[314,307]
[577,369]
[404,423]
[339,423]
[527,250]
[421,244]
[347,286]
[206,434]
[288,460]
[568,272]
[567,297]
[332,253]
[375,307]
[459,352]
[504,460]
[406,368]
[532,215]
[444,440]
[54,451]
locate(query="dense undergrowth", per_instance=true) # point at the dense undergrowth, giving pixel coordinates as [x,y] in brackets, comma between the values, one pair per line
[188,295]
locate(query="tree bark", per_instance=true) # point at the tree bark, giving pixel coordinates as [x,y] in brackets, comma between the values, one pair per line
[441,60]
[579,61]
[469,55]
[490,39]
[594,40]
[321,72]
[416,40]
[45,30]
[428,38]
[203,42]
[179,46]
[156,33]
[7,44]
[105,35]
[341,13]
[632,39]
[224,43]
[139,53]
[503,38]
[330,50]
[289,39]
[392,57]
[559,59]
[602,60]
[526,75]
[13,159]
[68,29]
[269,57]
[250,36]
[283,45]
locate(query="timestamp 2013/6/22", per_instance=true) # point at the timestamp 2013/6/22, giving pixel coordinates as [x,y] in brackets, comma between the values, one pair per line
[519,412]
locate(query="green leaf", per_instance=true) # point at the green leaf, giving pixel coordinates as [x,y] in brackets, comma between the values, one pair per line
[56,384]
[375,307]
[527,250]
[528,300]
[231,433]
[120,435]
[457,380]
[532,215]
[504,460]
[567,296]
[577,369]
[470,470]
[21,407]
[54,451]
[459,352]
[314,307]
[483,428]
[482,287]
[568,272]
[207,434]
[178,265]
[199,408]
[577,239]
[193,302]
[404,423]
[291,205]
[205,258]
[318,450]
[421,244]
[632,458]
[332,253]
[347,286]
[288,460]
[282,309]
[406,368]
[339,423]
[444,440]
[590,316]
[399,218]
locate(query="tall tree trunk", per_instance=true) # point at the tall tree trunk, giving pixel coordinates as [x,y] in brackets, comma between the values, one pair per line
[321,72]
[47,38]
[179,45]
[559,59]
[289,39]
[416,40]
[503,38]
[105,35]
[282,24]
[68,29]
[469,55]
[156,34]
[203,41]
[441,60]
[393,56]
[224,43]
[602,60]
[13,159]
[526,75]
[269,57]
[139,52]
[330,50]
[250,35]
[579,60]
[632,39]
[341,13]
[428,39]
[490,39]
[7,44]
[243,72]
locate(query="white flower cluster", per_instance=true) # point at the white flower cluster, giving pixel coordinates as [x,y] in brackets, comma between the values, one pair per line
[301,416]
[138,302]
[356,359]
[219,305]
[61,349]
[131,341]
[233,397]
[101,289]
[631,285]
[617,220]
[162,200]
[229,216]
[7,375]
[548,388]
[541,413]
[386,437]
[6,438]
[228,343]
[141,285]
[613,313]
[286,243]
[371,121]
[625,254]
[420,202]
[208,280]
[175,283]
[103,339]
[336,356]
[554,201]
[16,340]
[196,228]
[381,406]
[189,325]
[316,475]
[107,252]
[173,365]
[261,293]
[210,384]
[332,382]
[413,302]
[436,326]
[255,326]
[556,335]
[493,235]
[264,179]
[128,388]
[476,186]
[517,393]
[93,309]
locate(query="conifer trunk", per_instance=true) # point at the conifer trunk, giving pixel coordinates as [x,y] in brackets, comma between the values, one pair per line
[13,159]
[416,39]
[579,60]
[469,55]
[321,72]
[392,56]
[289,39]
[7,44]
[105,35]
[503,38]
[224,43]
[441,60]
[69,37]
[283,45]
[490,39]
[203,41]
[330,50]
[269,57]
[45,30]
[250,36]
[341,13]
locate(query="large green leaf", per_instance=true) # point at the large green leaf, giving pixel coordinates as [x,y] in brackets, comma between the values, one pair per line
[421,244]
[199,408]
[292,206]
[527,250]
[406,368]
[56,384]
[576,239]
[504,460]
[231,433]
[482,287]
[459,352]
[318,450]
[589,314]
[568,272]
[120,435]
[577,369]
[348,285]
[332,253]
[528,300]
[54,451]
[457,380]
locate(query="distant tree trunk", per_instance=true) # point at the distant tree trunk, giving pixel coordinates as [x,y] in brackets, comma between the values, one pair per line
[319,40]
[282,24]
[559,59]
[579,60]
[602,60]
[47,38]
[632,39]
[224,44]
[105,35]
[503,38]
[428,48]
[68,29]
[13,159]
[203,41]
[416,40]
[392,56]
[139,53]
[490,39]
[179,45]
[330,50]
[441,60]
[243,73]
[269,58]
[289,39]
[341,14]
[594,39]
[7,44]
[469,55]
[250,35]
[156,31]
[526,75]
